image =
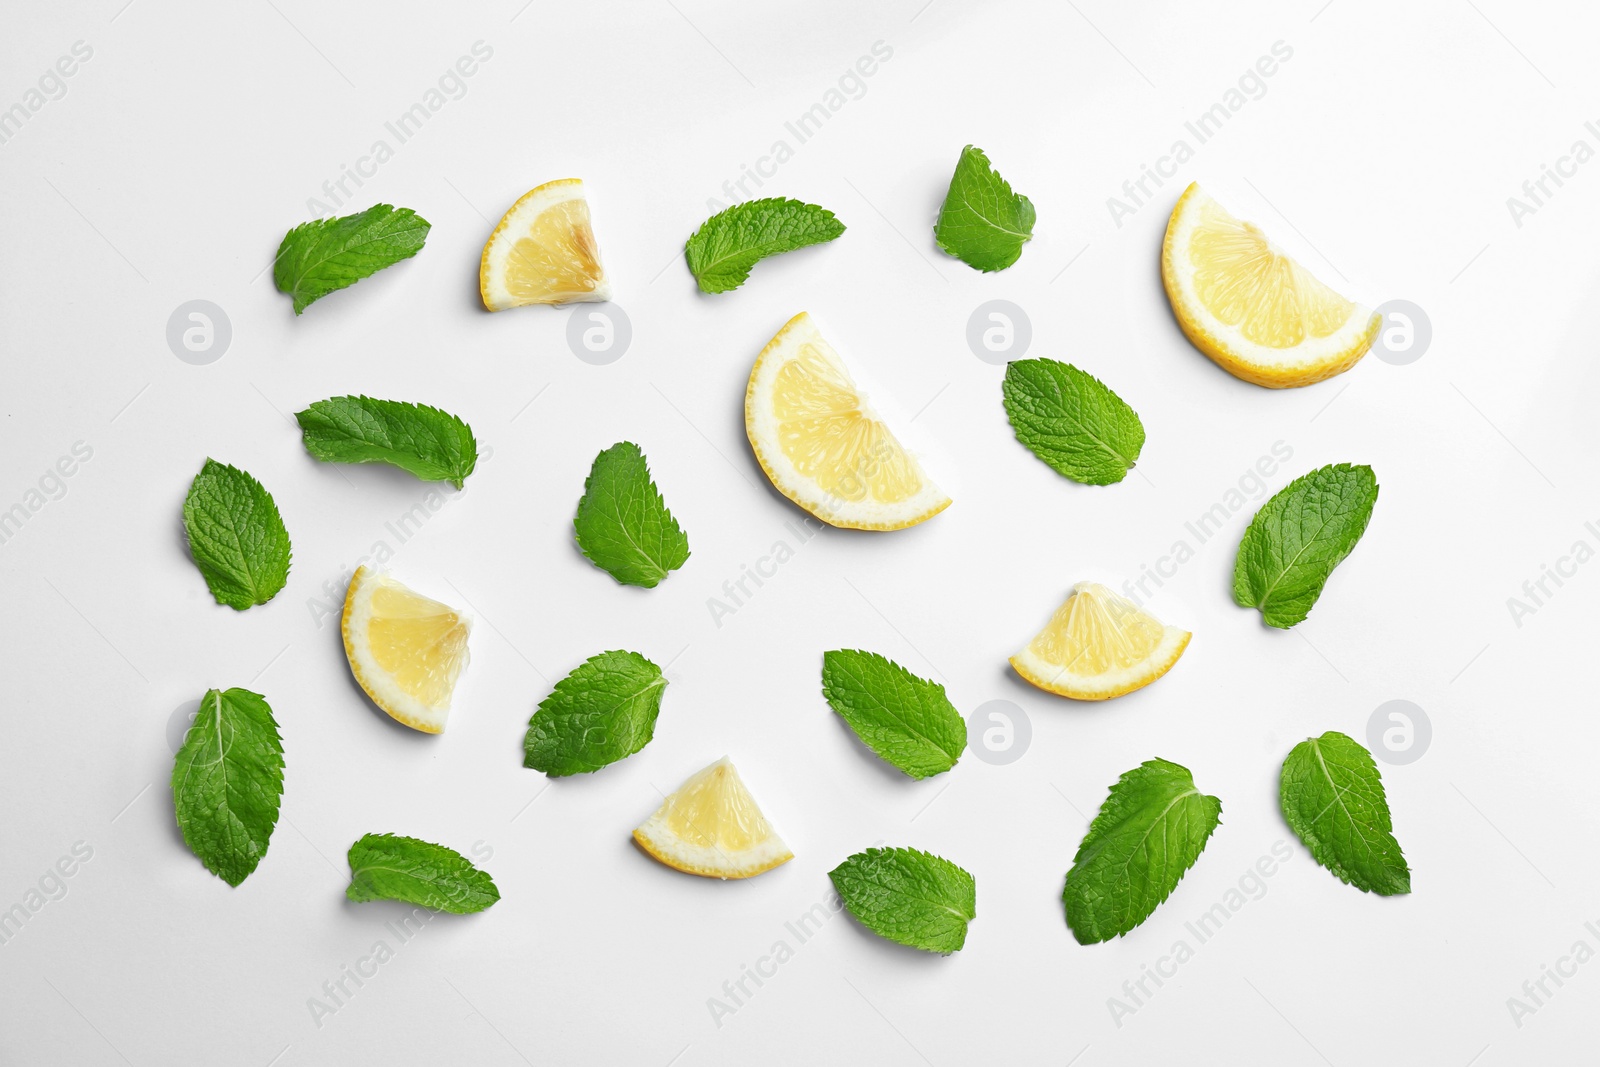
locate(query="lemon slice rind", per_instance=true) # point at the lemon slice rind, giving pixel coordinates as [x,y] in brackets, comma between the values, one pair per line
[397,702]
[707,858]
[1312,360]
[1063,681]
[515,224]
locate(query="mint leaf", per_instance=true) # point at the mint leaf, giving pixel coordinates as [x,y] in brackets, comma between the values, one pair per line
[983,223]
[908,896]
[623,526]
[1069,419]
[432,444]
[1333,799]
[236,536]
[391,867]
[729,243]
[1151,829]
[324,255]
[1298,538]
[906,720]
[603,711]
[227,782]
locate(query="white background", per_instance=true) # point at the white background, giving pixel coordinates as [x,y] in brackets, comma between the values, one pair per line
[1382,153]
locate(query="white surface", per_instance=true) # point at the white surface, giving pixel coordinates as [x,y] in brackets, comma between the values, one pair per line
[1390,141]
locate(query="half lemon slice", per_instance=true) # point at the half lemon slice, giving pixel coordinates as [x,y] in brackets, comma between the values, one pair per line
[712,827]
[406,651]
[823,446]
[543,252]
[1099,645]
[1260,315]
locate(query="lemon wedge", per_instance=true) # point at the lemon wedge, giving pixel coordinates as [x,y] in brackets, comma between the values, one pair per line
[543,252]
[1099,645]
[406,651]
[1256,312]
[822,445]
[712,827]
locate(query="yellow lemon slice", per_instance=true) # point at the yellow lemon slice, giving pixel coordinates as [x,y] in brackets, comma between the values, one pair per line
[543,252]
[1099,645]
[822,445]
[1252,309]
[406,650]
[712,827]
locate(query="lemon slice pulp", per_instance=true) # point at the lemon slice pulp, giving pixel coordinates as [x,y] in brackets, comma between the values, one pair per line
[823,446]
[1255,311]
[711,826]
[543,252]
[405,650]
[1099,645]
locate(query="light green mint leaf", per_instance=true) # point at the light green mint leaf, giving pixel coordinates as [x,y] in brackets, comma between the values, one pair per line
[1150,830]
[603,711]
[906,720]
[1070,420]
[391,867]
[983,223]
[432,444]
[227,782]
[1298,538]
[729,243]
[907,896]
[1333,799]
[236,536]
[324,255]
[623,526]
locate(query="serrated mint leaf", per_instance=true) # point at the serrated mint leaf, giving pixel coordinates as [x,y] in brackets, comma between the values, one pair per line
[391,867]
[908,896]
[432,444]
[623,526]
[1333,799]
[1069,419]
[906,720]
[983,223]
[729,243]
[1150,830]
[324,255]
[1298,538]
[236,536]
[603,711]
[227,782]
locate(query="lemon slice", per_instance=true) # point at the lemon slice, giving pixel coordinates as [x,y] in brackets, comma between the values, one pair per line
[822,446]
[1252,309]
[406,650]
[543,252]
[1099,645]
[712,827]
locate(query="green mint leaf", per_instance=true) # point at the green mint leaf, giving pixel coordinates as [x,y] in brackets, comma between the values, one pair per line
[236,536]
[603,711]
[907,896]
[391,867]
[1069,419]
[227,782]
[906,720]
[324,255]
[1333,799]
[432,444]
[1298,538]
[729,243]
[1151,829]
[623,526]
[983,223]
